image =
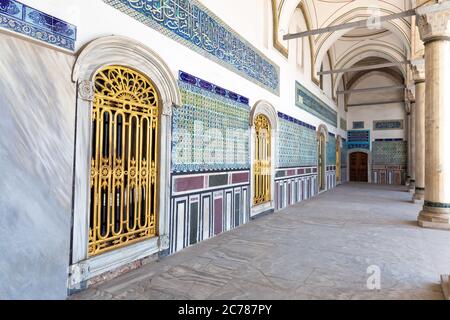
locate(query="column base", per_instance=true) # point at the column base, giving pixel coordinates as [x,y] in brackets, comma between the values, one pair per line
[445,280]
[412,186]
[434,217]
[419,196]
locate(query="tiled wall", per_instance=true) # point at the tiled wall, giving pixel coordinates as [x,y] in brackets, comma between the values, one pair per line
[294,185]
[210,186]
[358,139]
[27,21]
[389,161]
[194,26]
[210,130]
[331,150]
[306,100]
[344,164]
[206,205]
[297,143]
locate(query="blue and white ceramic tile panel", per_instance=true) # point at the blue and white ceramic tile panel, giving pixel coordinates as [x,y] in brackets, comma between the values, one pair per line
[388,125]
[389,161]
[331,161]
[358,125]
[390,152]
[208,196]
[209,113]
[297,143]
[306,100]
[331,150]
[296,176]
[344,155]
[27,21]
[358,139]
[193,25]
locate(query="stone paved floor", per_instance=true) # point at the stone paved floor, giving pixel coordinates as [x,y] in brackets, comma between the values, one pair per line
[319,249]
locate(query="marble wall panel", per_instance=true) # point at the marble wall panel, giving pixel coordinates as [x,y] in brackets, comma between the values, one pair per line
[37,105]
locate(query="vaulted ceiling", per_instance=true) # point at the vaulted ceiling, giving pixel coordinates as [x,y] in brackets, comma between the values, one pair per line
[388,42]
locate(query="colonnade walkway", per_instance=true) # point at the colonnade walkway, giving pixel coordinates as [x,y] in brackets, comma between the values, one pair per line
[322,248]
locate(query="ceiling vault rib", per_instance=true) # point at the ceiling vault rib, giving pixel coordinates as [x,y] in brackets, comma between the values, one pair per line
[440,6]
[363,68]
[390,88]
[351,25]
[375,103]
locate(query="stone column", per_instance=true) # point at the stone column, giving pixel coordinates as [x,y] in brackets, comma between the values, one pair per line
[408,132]
[434,30]
[412,134]
[419,163]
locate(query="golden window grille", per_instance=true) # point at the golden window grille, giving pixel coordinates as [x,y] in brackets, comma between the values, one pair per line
[124,162]
[338,161]
[263,161]
[321,160]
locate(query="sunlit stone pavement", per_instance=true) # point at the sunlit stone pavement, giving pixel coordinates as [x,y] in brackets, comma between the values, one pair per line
[320,249]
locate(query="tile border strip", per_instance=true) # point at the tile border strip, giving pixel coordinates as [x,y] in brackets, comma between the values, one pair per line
[27,21]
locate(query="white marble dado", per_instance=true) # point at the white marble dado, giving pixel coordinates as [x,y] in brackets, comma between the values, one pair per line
[37,109]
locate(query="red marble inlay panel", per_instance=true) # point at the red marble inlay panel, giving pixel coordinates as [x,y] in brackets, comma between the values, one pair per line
[218,205]
[291,173]
[240,177]
[189,183]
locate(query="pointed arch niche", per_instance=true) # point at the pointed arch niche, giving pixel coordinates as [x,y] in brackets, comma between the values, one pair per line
[338,160]
[322,140]
[264,126]
[97,55]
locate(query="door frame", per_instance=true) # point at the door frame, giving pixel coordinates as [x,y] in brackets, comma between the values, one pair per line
[369,163]
[265,108]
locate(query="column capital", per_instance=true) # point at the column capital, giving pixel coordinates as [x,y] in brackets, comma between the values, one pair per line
[418,70]
[433,22]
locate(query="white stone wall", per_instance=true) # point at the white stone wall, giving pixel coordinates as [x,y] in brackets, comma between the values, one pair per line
[36,163]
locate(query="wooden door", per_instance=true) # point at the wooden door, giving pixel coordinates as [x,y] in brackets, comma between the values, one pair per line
[358,167]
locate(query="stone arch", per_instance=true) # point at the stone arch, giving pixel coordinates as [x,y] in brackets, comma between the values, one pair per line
[323,129]
[263,107]
[122,51]
[338,159]
[322,141]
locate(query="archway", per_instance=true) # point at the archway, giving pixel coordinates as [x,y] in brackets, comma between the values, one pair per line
[264,125]
[133,63]
[322,139]
[338,160]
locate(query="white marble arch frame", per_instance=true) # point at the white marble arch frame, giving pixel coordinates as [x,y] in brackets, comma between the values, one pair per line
[117,50]
[265,108]
[323,130]
[339,145]
[369,163]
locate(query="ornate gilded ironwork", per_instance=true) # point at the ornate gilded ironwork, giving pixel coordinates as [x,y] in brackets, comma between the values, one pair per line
[263,161]
[322,153]
[124,161]
[338,160]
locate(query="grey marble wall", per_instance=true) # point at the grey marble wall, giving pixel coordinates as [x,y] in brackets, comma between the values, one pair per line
[37,123]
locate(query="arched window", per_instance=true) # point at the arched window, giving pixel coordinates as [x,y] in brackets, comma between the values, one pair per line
[263,161]
[338,160]
[124,160]
[322,144]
